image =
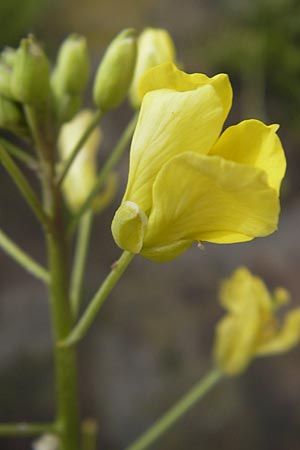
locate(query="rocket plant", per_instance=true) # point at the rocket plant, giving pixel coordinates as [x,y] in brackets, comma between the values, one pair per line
[188,181]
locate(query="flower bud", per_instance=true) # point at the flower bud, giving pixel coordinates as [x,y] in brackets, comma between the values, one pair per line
[72,68]
[5,80]
[30,76]
[81,177]
[10,114]
[128,227]
[8,56]
[66,106]
[115,72]
[155,46]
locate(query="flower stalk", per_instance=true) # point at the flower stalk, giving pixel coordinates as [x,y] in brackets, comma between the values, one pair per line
[97,301]
[177,411]
[23,259]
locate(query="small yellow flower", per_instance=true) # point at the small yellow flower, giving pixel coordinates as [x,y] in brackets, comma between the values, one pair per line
[82,174]
[155,46]
[251,328]
[189,182]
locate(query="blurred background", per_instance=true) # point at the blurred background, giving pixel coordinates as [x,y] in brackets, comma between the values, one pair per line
[153,338]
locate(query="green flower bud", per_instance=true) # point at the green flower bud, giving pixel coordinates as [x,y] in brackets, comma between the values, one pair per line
[155,46]
[10,114]
[66,107]
[8,56]
[72,68]
[30,76]
[5,80]
[115,72]
[128,227]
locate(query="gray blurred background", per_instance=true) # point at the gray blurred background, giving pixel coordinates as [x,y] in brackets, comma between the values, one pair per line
[153,338]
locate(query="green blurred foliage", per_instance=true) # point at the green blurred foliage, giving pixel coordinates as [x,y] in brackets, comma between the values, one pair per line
[17,17]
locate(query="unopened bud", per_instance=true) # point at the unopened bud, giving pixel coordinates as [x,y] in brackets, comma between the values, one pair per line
[66,106]
[115,72]
[10,114]
[81,177]
[30,76]
[155,46]
[128,227]
[5,80]
[70,75]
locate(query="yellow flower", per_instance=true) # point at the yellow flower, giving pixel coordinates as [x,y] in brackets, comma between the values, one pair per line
[186,181]
[155,46]
[82,174]
[251,327]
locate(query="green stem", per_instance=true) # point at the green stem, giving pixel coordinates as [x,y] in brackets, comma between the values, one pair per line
[27,429]
[176,411]
[19,154]
[97,301]
[65,358]
[22,258]
[99,114]
[24,187]
[113,159]
[80,261]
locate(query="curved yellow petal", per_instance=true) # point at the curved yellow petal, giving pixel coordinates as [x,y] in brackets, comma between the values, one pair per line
[170,123]
[285,338]
[235,340]
[243,288]
[168,76]
[195,196]
[255,144]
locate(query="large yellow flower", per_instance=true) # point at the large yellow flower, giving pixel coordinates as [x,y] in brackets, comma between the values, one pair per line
[251,328]
[186,181]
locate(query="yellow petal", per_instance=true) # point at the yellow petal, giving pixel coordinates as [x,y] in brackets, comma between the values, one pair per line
[205,198]
[170,123]
[243,288]
[253,143]
[235,340]
[286,338]
[167,76]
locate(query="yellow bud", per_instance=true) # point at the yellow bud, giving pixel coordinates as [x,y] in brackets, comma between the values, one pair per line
[82,174]
[30,76]
[72,68]
[115,71]
[10,114]
[128,227]
[155,46]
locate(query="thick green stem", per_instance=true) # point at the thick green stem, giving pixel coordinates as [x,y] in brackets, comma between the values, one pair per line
[27,429]
[97,301]
[78,146]
[22,258]
[176,411]
[80,261]
[24,187]
[113,159]
[65,358]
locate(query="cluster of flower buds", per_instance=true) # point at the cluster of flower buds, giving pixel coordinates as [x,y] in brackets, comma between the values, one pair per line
[26,79]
